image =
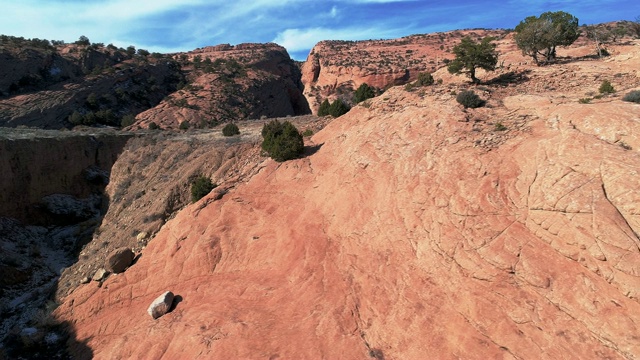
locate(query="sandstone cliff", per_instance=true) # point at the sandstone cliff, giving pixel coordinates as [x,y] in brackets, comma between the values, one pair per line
[335,69]
[36,164]
[414,229]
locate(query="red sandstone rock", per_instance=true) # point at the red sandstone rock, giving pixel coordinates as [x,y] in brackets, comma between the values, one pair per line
[415,230]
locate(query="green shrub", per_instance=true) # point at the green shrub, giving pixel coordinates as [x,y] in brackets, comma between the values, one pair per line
[307,132]
[338,108]
[282,141]
[200,187]
[230,129]
[76,118]
[363,93]
[633,96]
[184,125]
[153,126]
[584,100]
[323,110]
[127,120]
[335,109]
[425,79]
[469,99]
[500,127]
[606,87]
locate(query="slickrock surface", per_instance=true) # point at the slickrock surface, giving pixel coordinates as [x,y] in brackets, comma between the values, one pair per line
[415,230]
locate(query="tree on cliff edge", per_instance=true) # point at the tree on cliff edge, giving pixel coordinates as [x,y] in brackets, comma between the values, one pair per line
[539,36]
[471,56]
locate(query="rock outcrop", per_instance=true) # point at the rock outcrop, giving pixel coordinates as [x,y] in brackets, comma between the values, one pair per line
[228,83]
[414,227]
[43,86]
[335,69]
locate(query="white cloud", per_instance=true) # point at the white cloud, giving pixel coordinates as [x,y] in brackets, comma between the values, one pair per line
[304,39]
[334,11]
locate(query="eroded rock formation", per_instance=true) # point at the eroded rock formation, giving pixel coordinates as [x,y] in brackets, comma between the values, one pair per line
[413,228]
[228,83]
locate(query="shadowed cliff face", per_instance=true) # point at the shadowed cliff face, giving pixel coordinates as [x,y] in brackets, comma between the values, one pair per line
[416,227]
[229,83]
[36,164]
[42,86]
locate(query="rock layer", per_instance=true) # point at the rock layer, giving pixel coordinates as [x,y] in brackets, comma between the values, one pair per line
[37,163]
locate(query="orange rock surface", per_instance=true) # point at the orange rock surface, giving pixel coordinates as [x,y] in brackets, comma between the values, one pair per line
[416,230]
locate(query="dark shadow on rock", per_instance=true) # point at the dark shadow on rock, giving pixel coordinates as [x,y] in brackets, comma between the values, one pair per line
[55,341]
[570,59]
[176,300]
[512,77]
[312,149]
[135,260]
[376,354]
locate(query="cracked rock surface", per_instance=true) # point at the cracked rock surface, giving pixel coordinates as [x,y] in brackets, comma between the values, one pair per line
[401,238]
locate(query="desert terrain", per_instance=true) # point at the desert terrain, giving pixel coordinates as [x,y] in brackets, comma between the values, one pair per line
[410,228]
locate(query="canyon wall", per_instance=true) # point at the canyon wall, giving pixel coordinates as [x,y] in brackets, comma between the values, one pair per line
[37,163]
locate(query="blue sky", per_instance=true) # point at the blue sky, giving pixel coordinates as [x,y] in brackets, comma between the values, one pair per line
[182,25]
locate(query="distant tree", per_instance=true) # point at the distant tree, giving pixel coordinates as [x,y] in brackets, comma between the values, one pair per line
[338,108]
[635,27]
[83,40]
[197,61]
[143,52]
[471,56]
[282,141]
[153,126]
[131,50]
[127,120]
[600,36]
[324,108]
[185,125]
[92,101]
[363,93]
[76,118]
[539,36]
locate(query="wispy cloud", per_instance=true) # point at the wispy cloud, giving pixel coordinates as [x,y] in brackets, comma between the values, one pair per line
[180,25]
[303,39]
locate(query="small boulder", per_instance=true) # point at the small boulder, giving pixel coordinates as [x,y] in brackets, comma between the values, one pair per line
[161,305]
[119,260]
[99,275]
